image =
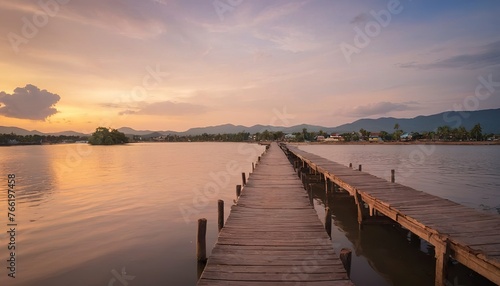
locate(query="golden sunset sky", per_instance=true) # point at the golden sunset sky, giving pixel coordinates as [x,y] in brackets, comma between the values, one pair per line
[173,65]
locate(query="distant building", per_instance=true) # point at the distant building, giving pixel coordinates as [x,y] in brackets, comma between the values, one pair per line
[375,138]
[335,137]
[406,137]
[290,137]
[320,138]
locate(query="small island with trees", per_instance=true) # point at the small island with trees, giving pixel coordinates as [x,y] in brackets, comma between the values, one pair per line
[107,136]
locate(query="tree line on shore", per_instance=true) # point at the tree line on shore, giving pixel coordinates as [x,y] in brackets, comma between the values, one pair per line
[108,136]
[14,139]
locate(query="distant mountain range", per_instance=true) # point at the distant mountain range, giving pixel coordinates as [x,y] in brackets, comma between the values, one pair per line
[489,120]
[23,132]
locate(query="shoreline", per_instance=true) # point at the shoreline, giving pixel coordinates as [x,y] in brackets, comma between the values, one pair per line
[468,143]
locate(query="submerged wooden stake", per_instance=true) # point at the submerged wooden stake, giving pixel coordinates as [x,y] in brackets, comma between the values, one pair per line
[220,211]
[311,201]
[360,168]
[328,221]
[244,178]
[345,257]
[201,242]
[393,176]
[238,191]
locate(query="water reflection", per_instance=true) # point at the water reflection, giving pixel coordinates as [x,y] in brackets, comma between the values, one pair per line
[85,214]
[34,172]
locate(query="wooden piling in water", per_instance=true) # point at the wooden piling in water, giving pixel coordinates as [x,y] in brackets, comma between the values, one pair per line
[201,240]
[359,205]
[310,190]
[253,166]
[350,165]
[220,212]
[328,221]
[415,240]
[238,191]
[244,178]
[442,253]
[393,176]
[346,257]
[360,167]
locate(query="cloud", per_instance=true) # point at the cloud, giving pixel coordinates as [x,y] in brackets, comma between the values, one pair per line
[167,108]
[289,39]
[381,108]
[360,19]
[28,103]
[488,55]
[278,11]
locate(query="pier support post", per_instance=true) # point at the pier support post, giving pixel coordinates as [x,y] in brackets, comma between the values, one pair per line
[442,253]
[238,191]
[201,242]
[360,167]
[393,176]
[220,212]
[346,257]
[415,240]
[244,178]
[328,221]
[350,165]
[253,167]
[359,204]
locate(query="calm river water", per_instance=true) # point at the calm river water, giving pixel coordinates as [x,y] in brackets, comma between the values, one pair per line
[88,215]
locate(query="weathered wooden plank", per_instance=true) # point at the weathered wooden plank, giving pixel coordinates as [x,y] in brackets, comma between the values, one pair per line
[305,277]
[291,282]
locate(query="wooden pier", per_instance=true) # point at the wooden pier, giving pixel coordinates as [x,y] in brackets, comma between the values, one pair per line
[273,235]
[467,235]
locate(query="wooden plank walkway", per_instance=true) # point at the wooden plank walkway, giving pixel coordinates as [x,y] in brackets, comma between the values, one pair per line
[469,236]
[273,236]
